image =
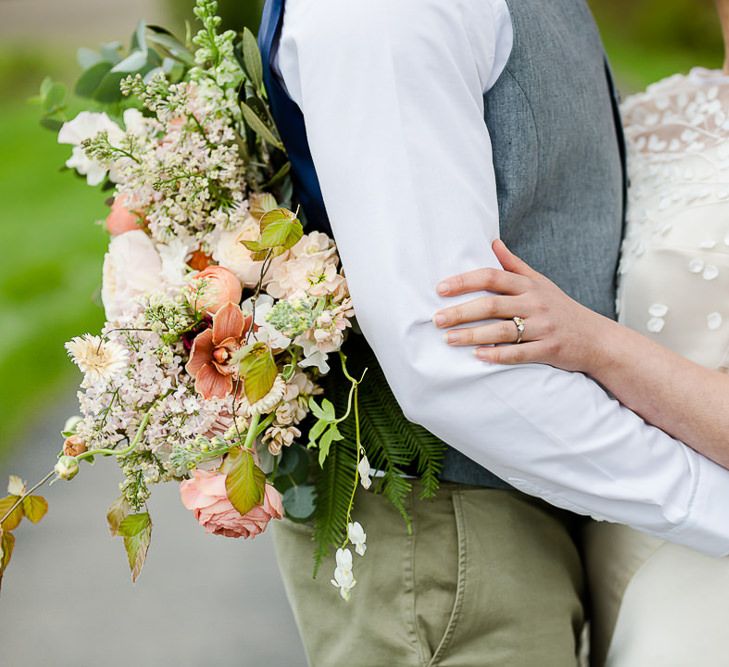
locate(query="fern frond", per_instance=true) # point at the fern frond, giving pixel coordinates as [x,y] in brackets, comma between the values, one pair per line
[333,487]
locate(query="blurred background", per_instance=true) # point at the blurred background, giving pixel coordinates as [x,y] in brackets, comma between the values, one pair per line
[66,595]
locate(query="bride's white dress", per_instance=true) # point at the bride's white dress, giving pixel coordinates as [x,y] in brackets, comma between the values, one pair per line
[658,604]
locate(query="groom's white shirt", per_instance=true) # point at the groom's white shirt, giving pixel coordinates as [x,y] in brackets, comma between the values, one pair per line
[392,94]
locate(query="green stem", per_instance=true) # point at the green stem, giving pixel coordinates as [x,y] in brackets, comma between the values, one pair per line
[26,494]
[127,450]
[358,443]
[252,431]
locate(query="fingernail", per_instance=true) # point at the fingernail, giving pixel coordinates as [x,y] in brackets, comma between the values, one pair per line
[439,319]
[452,337]
[483,355]
[443,288]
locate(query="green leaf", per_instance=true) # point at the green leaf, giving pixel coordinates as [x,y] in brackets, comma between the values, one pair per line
[118,511]
[136,529]
[332,434]
[89,81]
[293,467]
[139,40]
[55,98]
[108,90]
[134,62]
[258,371]
[328,409]
[282,173]
[280,229]
[259,127]
[299,502]
[163,38]
[87,57]
[7,544]
[315,409]
[111,52]
[16,516]
[252,59]
[45,86]
[245,482]
[53,124]
[316,430]
[35,507]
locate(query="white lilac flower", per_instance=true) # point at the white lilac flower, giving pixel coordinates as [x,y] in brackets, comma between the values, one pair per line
[87,125]
[365,472]
[357,537]
[343,576]
[97,358]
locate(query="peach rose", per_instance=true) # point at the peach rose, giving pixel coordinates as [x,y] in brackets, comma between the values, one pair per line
[121,219]
[220,286]
[205,495]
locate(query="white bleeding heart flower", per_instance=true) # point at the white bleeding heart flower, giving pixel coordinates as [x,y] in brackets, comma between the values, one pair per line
[343,576]
[357,537]
[365,472]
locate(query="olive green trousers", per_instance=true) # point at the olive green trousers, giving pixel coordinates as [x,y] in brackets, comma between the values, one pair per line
[486,578]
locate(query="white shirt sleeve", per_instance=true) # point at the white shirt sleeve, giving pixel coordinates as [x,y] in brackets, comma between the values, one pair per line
[392,95]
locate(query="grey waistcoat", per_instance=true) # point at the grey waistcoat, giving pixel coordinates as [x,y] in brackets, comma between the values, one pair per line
[556,138]
[557,146]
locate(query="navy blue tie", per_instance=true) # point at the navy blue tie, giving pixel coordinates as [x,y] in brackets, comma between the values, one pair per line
[290,122]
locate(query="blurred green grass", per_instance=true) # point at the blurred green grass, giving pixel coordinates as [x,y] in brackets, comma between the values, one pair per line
[51,258]
[52,251]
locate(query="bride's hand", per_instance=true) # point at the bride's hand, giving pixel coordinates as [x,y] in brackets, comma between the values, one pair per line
[558,330]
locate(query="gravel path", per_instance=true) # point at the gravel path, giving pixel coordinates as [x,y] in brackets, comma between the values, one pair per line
[67,599]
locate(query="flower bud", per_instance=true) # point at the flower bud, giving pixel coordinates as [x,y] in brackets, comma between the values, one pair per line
[66,468]
[71,423]
[73,446]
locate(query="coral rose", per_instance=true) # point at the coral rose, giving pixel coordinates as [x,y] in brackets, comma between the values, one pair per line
[121,219]
[205,495]
[213,287]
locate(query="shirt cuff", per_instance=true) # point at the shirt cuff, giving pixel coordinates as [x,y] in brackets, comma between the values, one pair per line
[706,529]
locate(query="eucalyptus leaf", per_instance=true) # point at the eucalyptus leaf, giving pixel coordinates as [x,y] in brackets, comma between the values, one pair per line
[299,502]
[139,40]
[16,516]
[111,52]
[164,38]
[245,483]
[55,99]
[53,124]
[134,62]
[136,529]
[87,57]
[45,87]
[258,371]
[282,173]
[89,81]
[259,127]
[294,464]
[35,507]
[108,90]
[252,59]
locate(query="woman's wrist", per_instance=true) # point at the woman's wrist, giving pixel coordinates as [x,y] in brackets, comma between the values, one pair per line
[599,341]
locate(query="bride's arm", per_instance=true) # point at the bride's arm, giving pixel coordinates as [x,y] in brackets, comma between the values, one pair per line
[681,397]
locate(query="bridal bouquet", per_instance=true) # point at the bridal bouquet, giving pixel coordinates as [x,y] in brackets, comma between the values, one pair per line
[222,315]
